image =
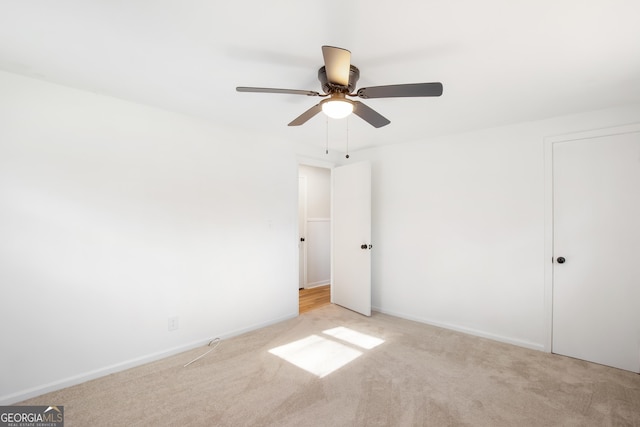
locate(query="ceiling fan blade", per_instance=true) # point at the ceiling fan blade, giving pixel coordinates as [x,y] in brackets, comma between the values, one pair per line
[337,63]
[302,118]
[271,90]
[369,115]
[401,91]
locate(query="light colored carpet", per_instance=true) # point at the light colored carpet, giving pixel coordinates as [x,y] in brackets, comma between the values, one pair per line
[420,375]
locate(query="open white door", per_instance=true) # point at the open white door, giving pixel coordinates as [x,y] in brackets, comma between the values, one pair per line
[351,237]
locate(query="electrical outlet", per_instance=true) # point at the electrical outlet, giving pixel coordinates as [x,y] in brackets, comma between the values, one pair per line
[173,323]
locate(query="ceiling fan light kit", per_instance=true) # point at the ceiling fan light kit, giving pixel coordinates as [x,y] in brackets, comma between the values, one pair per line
[338,80]
[337,108]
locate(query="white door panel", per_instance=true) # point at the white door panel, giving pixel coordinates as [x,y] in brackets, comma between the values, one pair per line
[351,229]
[596,291]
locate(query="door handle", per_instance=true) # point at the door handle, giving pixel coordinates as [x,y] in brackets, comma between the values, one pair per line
[560,260]
[302,239]
[365,246]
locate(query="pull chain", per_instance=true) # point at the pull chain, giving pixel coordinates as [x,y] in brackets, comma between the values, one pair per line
[326,150]
[347,156]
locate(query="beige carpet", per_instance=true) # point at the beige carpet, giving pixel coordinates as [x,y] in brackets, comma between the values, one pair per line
[419,375]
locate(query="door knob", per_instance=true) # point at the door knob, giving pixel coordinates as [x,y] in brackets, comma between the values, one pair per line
[560,260]
[363,246]
[302,239]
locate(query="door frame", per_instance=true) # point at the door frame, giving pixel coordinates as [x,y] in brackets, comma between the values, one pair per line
[302,220]
[548,212]
[307,161]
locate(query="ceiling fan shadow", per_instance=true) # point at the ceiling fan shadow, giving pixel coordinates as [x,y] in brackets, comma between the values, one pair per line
[263,56]
[407,56]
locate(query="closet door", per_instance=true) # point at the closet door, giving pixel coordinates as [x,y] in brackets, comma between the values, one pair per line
[596,272]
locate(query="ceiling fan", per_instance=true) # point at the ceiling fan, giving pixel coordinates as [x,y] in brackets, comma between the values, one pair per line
[338,78]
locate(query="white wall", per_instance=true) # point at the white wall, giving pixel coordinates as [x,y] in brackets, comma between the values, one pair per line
[459,227]
[318,225]
[116,216]
[318,191]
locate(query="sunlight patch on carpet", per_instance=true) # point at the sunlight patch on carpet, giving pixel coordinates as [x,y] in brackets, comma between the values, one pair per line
[321,356]
[354,337]
[316,355]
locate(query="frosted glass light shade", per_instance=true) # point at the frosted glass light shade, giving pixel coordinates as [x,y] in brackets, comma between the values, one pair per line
[337,109]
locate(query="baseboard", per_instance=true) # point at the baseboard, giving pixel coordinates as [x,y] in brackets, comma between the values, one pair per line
[128,364]
[465,330]
[255,326]
[316,284]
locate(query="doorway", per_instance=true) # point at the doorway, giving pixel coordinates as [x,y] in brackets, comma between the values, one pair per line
[345,235]
[314,230]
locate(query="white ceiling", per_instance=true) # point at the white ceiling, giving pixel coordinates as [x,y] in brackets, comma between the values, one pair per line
[501,61]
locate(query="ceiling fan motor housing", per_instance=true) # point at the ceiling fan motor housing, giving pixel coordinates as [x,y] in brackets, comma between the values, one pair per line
[328,87]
